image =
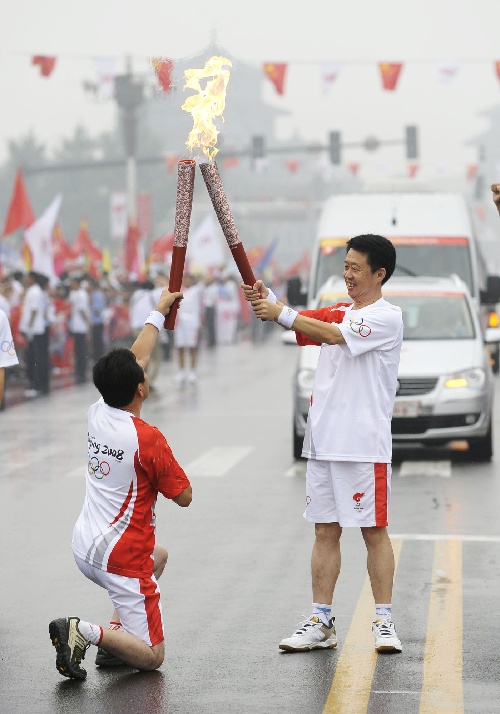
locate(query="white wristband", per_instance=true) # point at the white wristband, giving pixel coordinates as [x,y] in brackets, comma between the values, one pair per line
[156,319]
[271,297]
[287,317]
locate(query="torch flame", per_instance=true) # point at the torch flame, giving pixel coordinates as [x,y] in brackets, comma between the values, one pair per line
[207,104]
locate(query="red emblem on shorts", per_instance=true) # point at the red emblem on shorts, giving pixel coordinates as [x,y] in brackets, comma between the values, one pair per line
[357,497]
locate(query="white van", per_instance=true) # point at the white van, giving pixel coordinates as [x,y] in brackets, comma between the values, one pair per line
[433,234]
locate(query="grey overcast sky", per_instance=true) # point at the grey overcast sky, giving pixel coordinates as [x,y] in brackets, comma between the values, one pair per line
[357,33]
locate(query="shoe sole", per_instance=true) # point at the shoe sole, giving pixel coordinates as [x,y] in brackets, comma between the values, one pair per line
[388,648]
[308,648]
[63,657]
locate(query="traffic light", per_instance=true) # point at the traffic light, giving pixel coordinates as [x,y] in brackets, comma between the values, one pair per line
[258,147]
[334,147]
[411,142]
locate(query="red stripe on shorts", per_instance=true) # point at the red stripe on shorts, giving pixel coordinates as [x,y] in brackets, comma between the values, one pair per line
[152,606]
[380,474]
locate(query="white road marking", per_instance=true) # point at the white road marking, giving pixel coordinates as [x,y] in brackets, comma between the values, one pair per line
[446,536]
[441,469]
[217,461]
[297,469]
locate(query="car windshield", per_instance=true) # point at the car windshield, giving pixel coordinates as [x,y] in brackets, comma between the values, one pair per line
[440,259]
[440,316]
[427,316]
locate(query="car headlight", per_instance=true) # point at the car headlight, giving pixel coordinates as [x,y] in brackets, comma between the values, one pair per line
[472,378]
[305,379]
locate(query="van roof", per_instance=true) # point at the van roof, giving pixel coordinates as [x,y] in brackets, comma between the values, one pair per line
[395,214]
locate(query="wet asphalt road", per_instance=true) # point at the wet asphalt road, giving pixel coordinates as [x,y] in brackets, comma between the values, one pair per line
[238,574]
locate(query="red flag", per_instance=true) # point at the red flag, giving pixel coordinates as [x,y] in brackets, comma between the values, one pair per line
[61,251]
[19,214]
[413,170]
[84,245]
[389,72]
[497,69]
[472,170]
[171,161]
[292,165]
[132,257]
[230,161]
[160,249]
[163,68]
[353,168]
[275,71]
[45,63]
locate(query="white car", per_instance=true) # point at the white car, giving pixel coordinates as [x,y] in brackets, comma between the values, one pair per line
[445,382]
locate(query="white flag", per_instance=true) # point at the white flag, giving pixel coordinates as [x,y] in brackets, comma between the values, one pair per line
[329,73]
[118,215]
[447,71]
[106,72]
[39,239]
[205,245]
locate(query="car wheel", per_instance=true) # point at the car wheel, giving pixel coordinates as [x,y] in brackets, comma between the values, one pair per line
[298,442]
[481,449]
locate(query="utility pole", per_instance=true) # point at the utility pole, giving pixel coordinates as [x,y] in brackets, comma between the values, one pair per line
[129,96]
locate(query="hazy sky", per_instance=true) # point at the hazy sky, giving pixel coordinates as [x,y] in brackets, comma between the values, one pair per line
[358,33]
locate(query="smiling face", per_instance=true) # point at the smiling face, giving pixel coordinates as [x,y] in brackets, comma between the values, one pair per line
[363,285]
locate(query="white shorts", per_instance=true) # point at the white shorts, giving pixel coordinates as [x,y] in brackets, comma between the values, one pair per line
[186,334]
[349,493]
[136,600]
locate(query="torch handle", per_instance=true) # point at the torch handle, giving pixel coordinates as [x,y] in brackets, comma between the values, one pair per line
[175,282]
[241,260]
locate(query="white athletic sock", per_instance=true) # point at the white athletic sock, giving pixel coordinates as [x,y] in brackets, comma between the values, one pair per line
[323,612]
[92,633]
[383,612]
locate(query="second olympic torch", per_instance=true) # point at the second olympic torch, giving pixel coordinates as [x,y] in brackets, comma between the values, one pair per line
[220,203]
[184,201]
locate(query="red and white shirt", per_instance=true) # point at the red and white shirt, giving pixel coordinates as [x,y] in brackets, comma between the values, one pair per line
[355,384]
[129,464]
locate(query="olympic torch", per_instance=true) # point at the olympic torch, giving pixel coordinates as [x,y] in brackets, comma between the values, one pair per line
[220,203]
[208,103]
[184,201]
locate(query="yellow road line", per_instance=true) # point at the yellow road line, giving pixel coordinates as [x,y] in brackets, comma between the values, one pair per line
[352,683]
[442,687]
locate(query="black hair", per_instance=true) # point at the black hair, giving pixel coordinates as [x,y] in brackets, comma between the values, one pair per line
[116,376]
[379,251]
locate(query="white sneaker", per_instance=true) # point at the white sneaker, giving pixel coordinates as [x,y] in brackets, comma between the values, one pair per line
[179,379]
[30,393]
[311,635]
[386,639]
[192,378]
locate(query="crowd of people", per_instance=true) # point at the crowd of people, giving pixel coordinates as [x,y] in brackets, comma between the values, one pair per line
[60,330]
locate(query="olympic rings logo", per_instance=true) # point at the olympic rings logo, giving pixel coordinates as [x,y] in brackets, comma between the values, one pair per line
[8,348]
[97,468]
[360,328]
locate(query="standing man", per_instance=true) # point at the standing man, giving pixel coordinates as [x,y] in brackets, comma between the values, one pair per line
[97,306]
[129,464]
[32,325]
[348,440]
[8,356]
[79,324]
[187,330]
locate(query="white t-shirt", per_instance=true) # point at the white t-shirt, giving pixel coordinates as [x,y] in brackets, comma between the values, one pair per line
[141,304]
[129,463]
[33,302]
[80,302]
[190,308]
[8,356]
[355,385]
